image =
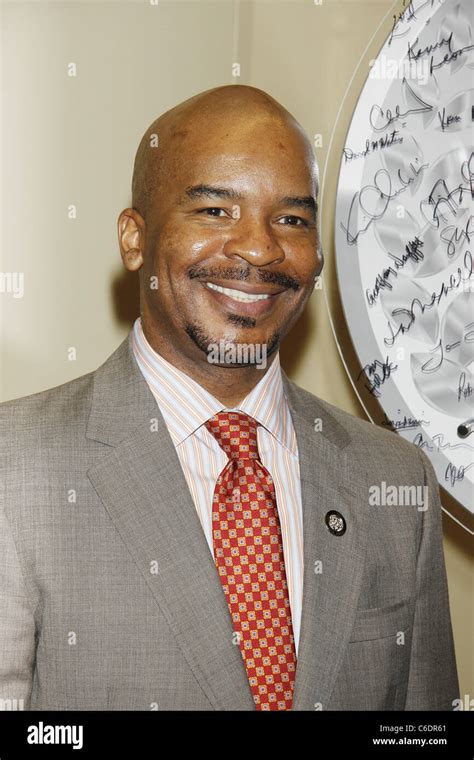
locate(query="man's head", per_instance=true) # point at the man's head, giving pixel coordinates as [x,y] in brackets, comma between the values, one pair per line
[224,196]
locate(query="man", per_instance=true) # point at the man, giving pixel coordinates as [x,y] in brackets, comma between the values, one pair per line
[187,529]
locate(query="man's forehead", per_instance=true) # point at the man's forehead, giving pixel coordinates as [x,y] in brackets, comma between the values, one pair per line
[242,133]
[242,163]
[203,145]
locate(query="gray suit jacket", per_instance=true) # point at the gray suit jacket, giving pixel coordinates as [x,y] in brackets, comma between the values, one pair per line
[109,597]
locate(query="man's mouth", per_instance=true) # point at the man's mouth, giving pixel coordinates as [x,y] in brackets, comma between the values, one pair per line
[247,299]
[239,295]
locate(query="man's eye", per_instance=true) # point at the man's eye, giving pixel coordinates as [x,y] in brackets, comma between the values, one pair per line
[212,211]
[294,221]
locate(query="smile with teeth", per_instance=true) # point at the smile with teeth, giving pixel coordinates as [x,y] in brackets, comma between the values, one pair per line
[238,295]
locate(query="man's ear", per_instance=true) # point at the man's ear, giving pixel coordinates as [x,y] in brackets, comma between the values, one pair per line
[131,233]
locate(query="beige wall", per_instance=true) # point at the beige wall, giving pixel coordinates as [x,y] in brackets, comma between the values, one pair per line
[72,141]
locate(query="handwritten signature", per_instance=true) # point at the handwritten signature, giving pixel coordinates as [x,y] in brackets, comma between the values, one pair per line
[446,121]
[442,198]
[377,373]
[391,138]
[454,474]
[439,444]
[449,57]
[454,236]
[373,200]
[407,423]
[376,112]
[440,350]
[464,390]
[382,281]
[416,55]
[405,16]
[453,283]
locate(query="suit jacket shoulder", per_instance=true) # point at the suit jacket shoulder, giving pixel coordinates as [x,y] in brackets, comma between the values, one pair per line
[372,447]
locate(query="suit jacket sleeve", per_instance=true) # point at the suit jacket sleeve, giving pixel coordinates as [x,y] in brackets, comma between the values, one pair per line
[433,681]
[17,626]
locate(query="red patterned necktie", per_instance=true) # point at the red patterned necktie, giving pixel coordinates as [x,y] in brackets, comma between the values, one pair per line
[248,553]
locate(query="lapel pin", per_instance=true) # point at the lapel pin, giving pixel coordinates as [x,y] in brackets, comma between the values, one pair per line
[335,522]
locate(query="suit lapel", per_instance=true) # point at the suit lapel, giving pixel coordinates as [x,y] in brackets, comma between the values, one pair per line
[143,489]
[333,565]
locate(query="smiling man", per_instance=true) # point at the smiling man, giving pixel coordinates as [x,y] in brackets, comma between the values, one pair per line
[187,529]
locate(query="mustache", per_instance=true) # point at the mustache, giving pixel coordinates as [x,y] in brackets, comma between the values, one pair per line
[230,274]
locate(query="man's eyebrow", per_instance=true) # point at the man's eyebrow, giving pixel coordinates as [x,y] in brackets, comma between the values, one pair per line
[210,191]
[300,201]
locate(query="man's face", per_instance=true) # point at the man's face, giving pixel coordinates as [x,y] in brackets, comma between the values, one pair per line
[235,211]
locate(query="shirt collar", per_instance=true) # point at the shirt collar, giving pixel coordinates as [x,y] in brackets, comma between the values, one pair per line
[186,405]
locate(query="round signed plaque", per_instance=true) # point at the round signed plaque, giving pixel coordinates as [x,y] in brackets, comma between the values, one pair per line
[404,233]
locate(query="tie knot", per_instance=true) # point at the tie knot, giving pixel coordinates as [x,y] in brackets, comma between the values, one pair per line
[236,434]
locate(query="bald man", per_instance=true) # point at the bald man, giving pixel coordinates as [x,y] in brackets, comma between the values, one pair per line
[187,529]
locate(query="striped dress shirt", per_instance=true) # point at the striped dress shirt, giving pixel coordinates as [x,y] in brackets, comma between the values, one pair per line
[186,405]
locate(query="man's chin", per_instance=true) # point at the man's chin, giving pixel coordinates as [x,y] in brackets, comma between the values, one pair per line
[234,352]
[236,355]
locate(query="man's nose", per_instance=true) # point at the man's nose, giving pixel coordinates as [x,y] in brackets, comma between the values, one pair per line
[254,241]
